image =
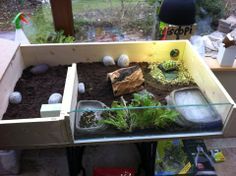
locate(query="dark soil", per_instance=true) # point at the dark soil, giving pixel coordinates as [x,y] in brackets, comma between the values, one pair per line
[36,90]
[94,75]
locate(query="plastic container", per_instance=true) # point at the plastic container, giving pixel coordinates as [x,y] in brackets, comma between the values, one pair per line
[198,44]
[86,106]
[187,102]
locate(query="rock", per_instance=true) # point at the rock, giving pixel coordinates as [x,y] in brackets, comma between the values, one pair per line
[55,98]
[123,61]
[108,60]
[81,88]
[15,97]
[39,69]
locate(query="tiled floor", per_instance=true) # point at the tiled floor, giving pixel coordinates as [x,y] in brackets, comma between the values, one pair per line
[227,168]
[228,147]
[46,162]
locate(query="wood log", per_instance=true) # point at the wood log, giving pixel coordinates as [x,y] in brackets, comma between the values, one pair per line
[126,80]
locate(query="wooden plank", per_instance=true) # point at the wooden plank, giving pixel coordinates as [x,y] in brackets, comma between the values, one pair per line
[62,16]
[32,132]
[7,83]
[64,54]
[69,100]
[227,79]
[229,127]
[7,51]
[207,81]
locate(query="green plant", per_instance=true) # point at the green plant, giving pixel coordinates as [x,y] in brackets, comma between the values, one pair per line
[53,37]
[146,114]
[212,8]
[118,118]
[151,117]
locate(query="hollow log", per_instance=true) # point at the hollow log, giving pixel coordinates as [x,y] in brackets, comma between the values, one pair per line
[126,80]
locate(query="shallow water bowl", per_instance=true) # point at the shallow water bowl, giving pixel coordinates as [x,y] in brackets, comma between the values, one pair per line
[85,106]
[194,108]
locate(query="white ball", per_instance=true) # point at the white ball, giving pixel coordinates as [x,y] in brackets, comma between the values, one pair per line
[81,88]
[55,98]
[123,61]
[108,60]
[15,97]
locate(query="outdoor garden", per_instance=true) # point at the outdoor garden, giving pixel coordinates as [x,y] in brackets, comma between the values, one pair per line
[103,20]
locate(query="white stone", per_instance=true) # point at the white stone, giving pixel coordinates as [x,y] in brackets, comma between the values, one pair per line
[55,98]
[108,60]
[39,69]
[81,88]
[15,97]
[123,61]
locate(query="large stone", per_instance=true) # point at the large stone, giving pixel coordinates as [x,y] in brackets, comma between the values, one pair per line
[55,98]
[108,60]
[123,61]
[81,88]
[15,97]
[39,69]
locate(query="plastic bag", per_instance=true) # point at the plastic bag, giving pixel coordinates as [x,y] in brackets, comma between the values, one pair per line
[198,44]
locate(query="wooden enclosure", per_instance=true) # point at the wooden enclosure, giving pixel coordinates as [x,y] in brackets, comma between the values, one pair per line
[51,131]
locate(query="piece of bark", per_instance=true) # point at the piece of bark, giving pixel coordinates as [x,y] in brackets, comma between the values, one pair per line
[228,41]
[126,80]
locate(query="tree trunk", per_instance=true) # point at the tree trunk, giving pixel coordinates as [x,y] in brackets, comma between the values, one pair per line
[155,27]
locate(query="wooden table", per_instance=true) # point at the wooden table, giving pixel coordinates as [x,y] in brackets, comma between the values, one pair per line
[214,65]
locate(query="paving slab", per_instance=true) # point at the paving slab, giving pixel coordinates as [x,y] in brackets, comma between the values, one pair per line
[10,35]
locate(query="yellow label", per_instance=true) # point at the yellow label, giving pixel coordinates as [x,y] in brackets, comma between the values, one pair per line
[186,168]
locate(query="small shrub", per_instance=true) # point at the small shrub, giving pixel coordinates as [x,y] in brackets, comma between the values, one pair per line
[212,8]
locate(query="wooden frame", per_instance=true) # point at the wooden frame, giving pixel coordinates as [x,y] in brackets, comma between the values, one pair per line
[43,131]
[69,101]
[59,130]
[33,131]
[63,16]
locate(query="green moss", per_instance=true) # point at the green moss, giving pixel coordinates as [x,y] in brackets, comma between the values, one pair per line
[182,75]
